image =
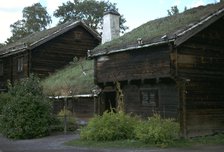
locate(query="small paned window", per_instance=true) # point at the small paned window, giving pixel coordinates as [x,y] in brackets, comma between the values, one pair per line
[78,35]
[1,68]
[149,97]
[20,64]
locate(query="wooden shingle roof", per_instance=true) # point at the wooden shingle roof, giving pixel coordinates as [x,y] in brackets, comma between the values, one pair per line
[177,29]
[33,40]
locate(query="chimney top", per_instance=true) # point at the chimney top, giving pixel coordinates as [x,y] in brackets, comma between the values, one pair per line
[111,26]
[111,11]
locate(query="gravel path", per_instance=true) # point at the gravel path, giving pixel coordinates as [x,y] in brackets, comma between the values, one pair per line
[55,144]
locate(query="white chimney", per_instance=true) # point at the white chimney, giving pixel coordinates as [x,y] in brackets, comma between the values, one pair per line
[111,26]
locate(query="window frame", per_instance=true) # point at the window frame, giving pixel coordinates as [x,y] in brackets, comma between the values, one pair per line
[149,97]
[20,63]
[1,68]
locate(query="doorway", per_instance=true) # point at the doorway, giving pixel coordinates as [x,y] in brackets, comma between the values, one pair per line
[110,101]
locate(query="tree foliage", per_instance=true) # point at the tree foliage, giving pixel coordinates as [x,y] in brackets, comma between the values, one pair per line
[173,11]
[35,18]
[91,11]
[2,44]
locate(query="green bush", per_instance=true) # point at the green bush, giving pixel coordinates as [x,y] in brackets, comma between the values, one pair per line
[157,130]
[4,98]
[109,127]
[28,112]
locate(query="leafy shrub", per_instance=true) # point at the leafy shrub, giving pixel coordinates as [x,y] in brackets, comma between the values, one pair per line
[28,112]
[4,98]
[109,127]
[157,130]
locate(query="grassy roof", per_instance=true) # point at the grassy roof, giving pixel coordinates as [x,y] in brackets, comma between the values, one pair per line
[45,35]
[75,79]
[152,31]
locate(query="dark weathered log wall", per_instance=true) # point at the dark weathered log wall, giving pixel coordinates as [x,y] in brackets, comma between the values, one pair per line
[10,69]
[81,108]
[133,65]
[168,98]
[199,63]
[58,52]
[6,72]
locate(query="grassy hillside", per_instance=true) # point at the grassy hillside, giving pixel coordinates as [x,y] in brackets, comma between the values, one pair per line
[77,78]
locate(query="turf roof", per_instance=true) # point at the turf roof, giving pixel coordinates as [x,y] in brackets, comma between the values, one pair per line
[153,31]
[41,37]
[75,79]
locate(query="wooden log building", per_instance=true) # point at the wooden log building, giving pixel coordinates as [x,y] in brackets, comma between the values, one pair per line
[173,66]
[42,53]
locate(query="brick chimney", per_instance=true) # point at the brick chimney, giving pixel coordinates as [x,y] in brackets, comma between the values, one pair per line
[111,26]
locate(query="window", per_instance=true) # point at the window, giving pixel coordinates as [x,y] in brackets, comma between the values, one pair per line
[20,64]
[78,35]
[149,97]
[1,68]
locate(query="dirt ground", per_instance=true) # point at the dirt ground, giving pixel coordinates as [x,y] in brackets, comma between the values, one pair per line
[54,143]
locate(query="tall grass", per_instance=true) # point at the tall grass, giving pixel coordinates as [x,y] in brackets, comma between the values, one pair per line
[77,78]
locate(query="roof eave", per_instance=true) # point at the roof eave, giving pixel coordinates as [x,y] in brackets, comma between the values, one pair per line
[133,47]
[62,31]
[188,33]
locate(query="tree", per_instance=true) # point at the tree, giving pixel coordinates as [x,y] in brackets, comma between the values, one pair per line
[35,18]
[173,11]
[2,44]
[91,11]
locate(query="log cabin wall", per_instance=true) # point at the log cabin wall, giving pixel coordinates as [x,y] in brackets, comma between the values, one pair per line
[6,72]
[144,76]
[133,65]
[20,66]
[148,99]
[200,61]
[81,108]
[15,67]
[61,50]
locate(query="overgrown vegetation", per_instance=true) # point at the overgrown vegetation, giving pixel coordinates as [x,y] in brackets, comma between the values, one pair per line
[27,112]
[157,130]
[120,126]
[4,98]
[74,79]
[109,127]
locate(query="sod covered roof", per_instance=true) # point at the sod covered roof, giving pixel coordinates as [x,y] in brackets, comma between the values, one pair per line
[33,40]
[163,30]
[75,79]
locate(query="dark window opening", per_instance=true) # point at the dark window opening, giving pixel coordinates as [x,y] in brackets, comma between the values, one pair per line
[149,97]
[110,101]
[1,68]
[20,64]
[78,35]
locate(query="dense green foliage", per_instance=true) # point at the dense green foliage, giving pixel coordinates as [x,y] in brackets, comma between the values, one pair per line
[35,18]
[173,11]
[4,98]
[119,126]
[28,112]
[157,130]
[109,127]
[90,11]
